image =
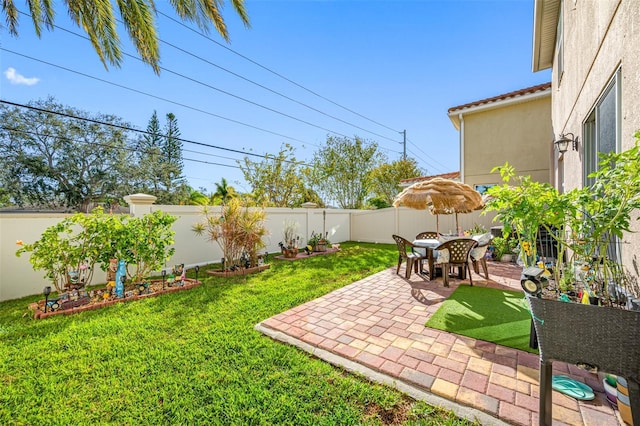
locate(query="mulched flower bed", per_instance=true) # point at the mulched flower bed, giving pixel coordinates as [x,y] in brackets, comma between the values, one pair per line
[239,271]
[303,255]
[99,300]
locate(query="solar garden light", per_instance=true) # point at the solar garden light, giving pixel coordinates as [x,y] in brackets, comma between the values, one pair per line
[164,274]
[123,279]
[47,292]
[197,268]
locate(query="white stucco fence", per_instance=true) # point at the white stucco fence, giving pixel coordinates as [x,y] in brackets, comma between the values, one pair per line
[18,279]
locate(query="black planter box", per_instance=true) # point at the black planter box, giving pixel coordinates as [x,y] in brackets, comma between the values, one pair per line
[604,337]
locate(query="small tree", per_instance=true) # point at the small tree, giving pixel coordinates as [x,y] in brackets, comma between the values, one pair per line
[71,247]
[238,232]
[64,250]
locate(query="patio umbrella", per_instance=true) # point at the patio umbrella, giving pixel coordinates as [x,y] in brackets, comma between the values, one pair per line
[440,196]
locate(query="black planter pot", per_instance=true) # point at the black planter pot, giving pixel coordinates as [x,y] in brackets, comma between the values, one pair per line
[605,337]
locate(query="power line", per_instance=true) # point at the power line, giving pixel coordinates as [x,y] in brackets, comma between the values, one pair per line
[124,148]
[427,155]
[209,86]
[417,157]
[230,94]
[119,126]
[274,72]
[155,96]
[274,91]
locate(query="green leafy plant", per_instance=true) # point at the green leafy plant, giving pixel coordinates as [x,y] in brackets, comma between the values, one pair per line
[238,231]
[316,239]
[477,229]
[523,206]
[503,245]
[75,244]
[604,211]
[145,242]
[582,221]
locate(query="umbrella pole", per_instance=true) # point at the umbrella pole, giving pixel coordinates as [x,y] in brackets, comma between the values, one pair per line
[457,226]
[437,224]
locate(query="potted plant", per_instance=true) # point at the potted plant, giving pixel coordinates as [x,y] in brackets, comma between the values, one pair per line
[289,246]
[584,220]
[504,248]
[318,242]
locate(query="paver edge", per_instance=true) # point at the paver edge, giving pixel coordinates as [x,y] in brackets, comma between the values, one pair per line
[460,410]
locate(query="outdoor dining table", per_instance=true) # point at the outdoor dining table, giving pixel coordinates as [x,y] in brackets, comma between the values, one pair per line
[430,244]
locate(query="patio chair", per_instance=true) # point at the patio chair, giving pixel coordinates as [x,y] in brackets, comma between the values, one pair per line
[477,254]
[454,253]
[413,258]
[427,235]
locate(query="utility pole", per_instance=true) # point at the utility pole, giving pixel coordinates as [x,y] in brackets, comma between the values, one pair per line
[404,144]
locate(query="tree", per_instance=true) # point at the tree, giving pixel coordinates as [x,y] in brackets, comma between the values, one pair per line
[223,193]
[97,19]
[342,170]
[149,151]
[197,198]
[386,177]
[160,162]
[174,185]
[277,180]
[54,160]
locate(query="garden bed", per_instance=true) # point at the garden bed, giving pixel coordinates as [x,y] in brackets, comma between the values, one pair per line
[241,271]
[303,255]
[87,303]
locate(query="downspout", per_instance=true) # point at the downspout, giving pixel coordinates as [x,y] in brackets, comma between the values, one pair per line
[461,118]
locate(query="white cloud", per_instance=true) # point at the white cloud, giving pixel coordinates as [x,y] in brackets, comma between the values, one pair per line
[15,78]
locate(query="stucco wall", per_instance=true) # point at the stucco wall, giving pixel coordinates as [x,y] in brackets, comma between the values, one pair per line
[600,36]
[519,133]
[18,278]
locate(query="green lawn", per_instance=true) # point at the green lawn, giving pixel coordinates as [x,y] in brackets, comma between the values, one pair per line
[193,357]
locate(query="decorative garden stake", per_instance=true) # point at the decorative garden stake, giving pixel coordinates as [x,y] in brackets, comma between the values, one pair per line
[121,276]
[164,274]
[47,292]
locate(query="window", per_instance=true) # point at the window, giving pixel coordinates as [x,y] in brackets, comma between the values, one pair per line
[484,187]
[602,127]
[601,133]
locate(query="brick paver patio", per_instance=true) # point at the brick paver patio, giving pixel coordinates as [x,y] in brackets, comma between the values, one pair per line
[375,326]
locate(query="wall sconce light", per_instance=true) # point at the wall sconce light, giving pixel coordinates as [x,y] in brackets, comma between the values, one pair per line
[563,142]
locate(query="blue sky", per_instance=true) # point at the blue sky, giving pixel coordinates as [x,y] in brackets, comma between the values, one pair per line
[380,67]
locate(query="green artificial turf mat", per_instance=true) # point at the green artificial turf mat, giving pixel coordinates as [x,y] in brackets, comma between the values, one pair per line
[489,314]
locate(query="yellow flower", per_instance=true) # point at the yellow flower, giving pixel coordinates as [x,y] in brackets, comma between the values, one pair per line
[19,242]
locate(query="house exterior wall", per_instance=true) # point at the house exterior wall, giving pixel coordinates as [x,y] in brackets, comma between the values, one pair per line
[599,37]
[519,133]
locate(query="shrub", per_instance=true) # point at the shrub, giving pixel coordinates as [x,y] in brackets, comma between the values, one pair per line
[238,232]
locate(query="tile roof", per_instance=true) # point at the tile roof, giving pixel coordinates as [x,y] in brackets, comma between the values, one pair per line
[450,175]
[521,92]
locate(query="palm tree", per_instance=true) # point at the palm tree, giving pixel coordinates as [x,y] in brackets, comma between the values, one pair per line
[197,198]
[97,19]
[223,191]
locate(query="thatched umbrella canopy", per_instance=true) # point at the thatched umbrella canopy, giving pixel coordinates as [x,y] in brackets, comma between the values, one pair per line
[440,196]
